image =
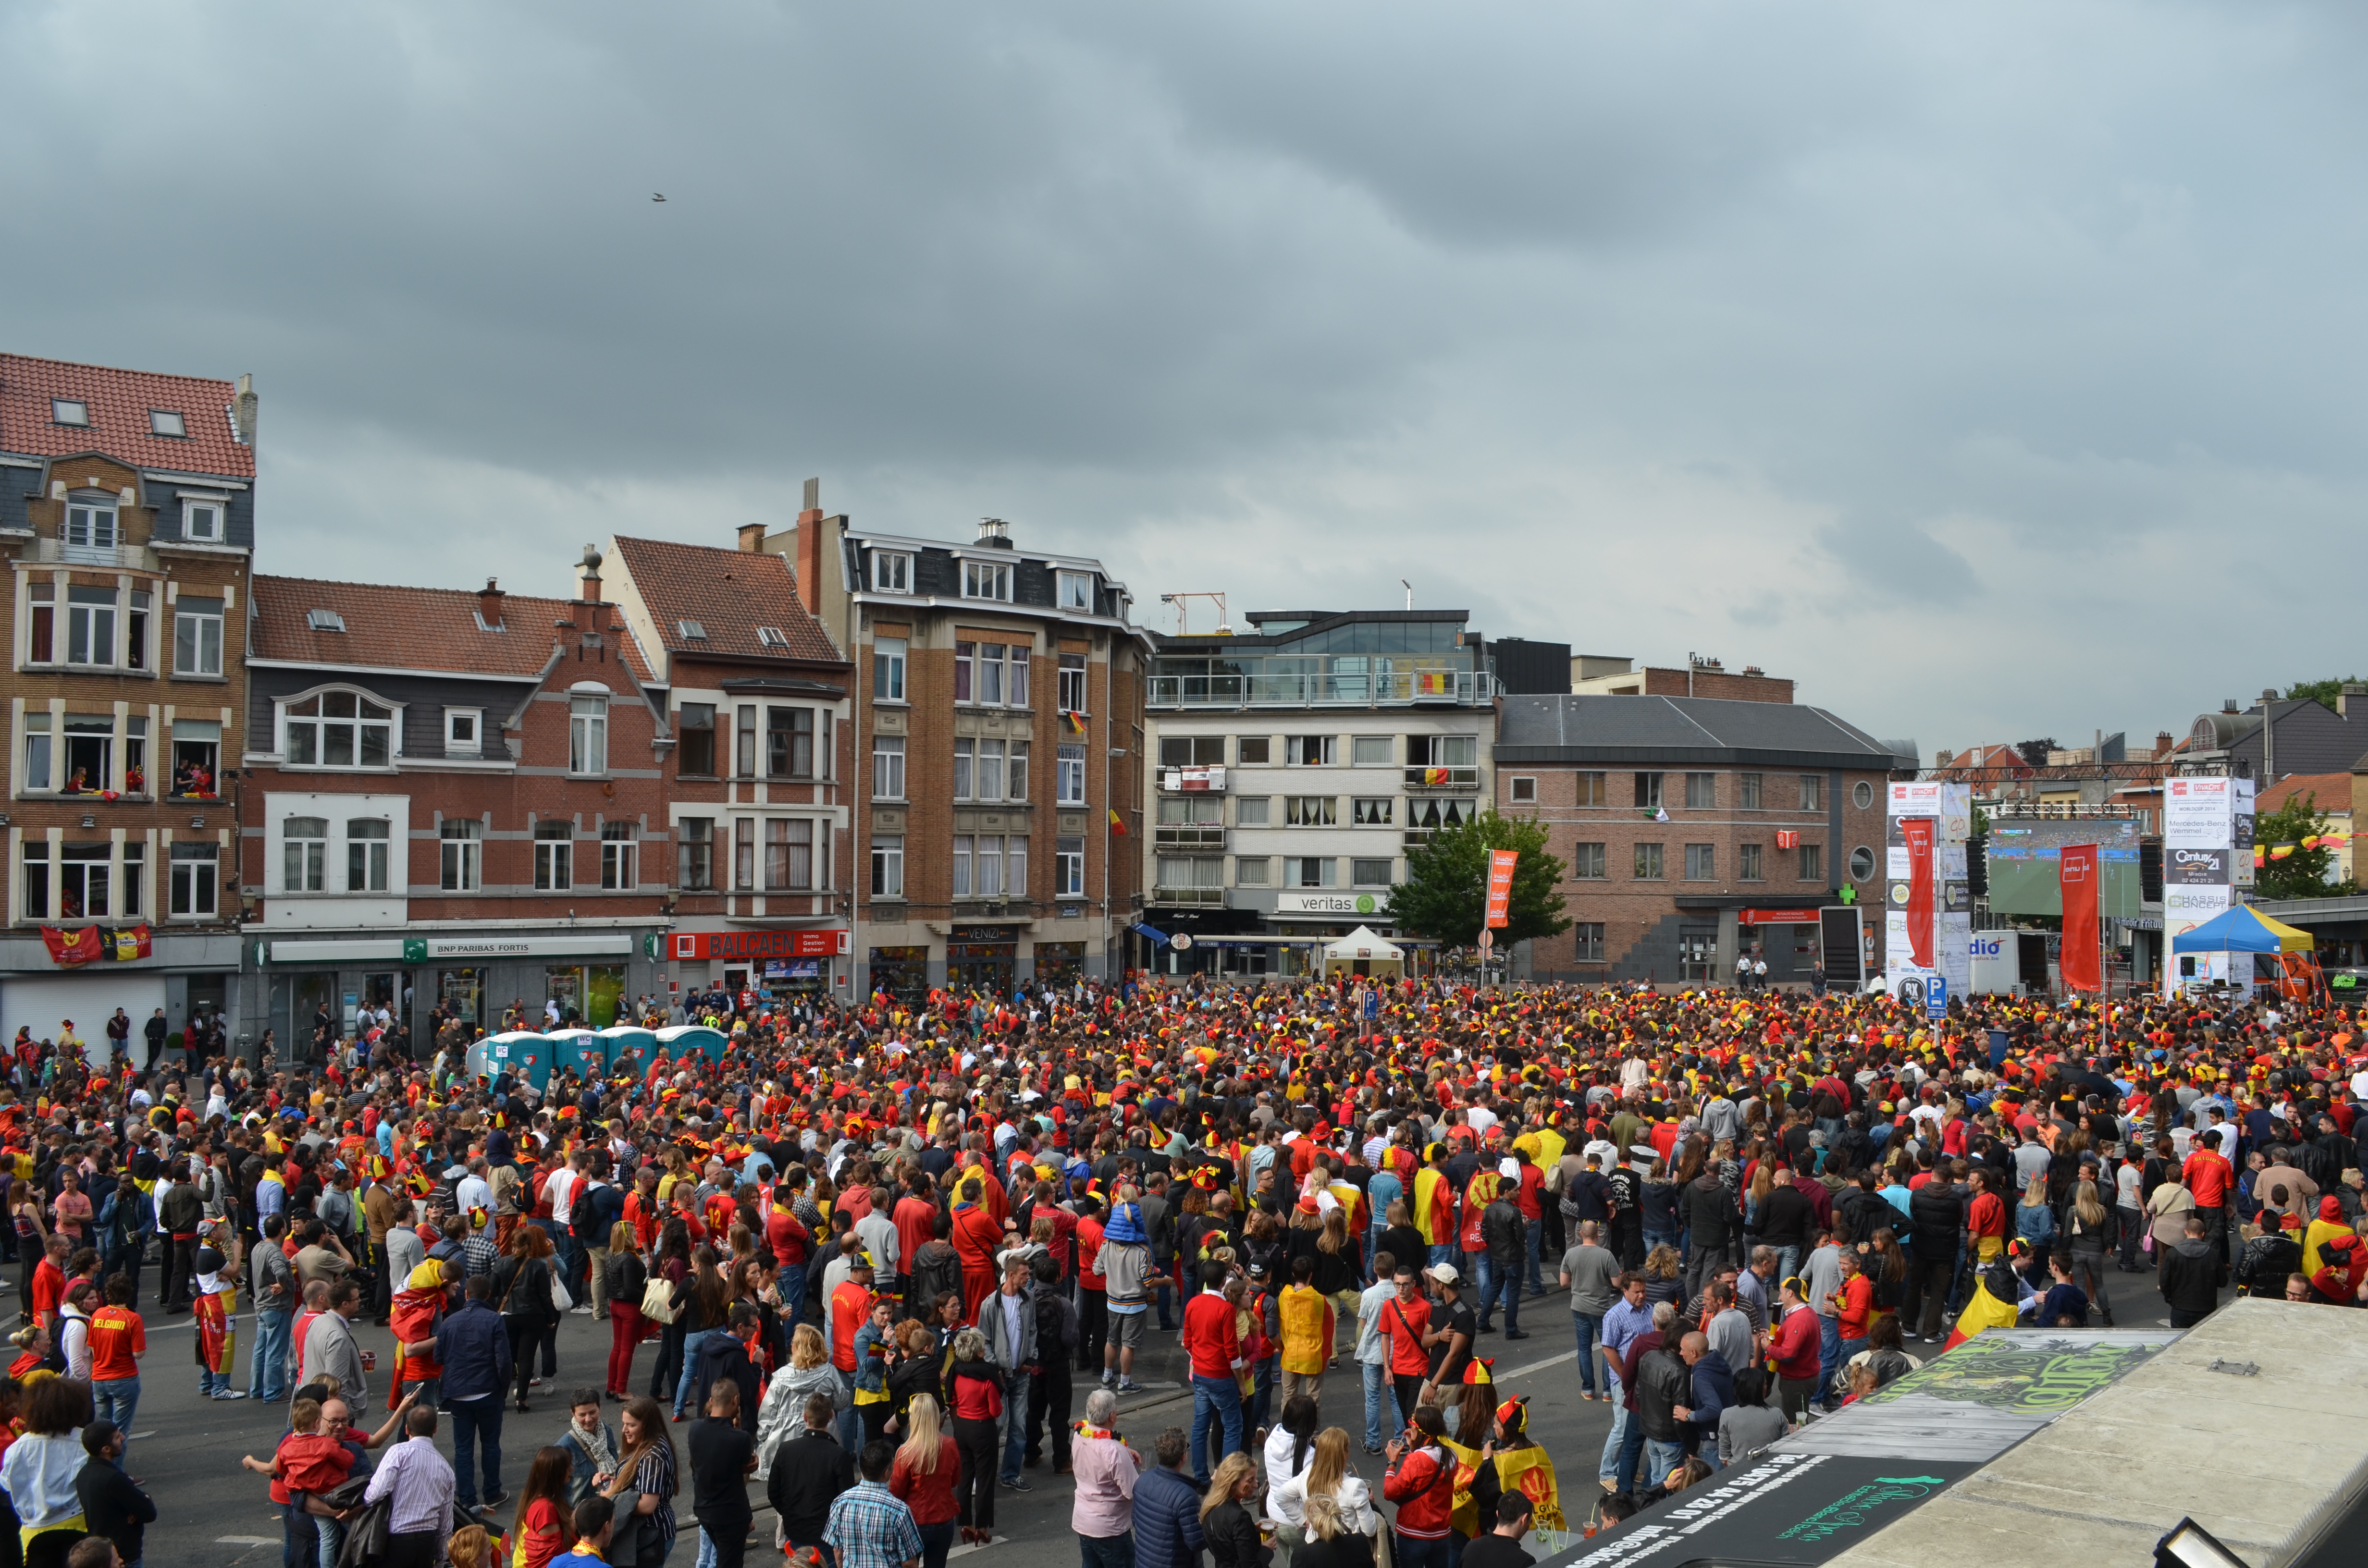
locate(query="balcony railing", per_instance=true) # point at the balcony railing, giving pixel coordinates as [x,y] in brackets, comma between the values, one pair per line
[1461,688]
[1188,895]
[58,552]
[1192,780]
[1462,780]
[1192,835]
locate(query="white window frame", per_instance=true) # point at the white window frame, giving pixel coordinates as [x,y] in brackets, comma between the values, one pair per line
[1522,791]
[217,505]
[989,580]
[887,767]
[617,845]
[1074,590]
[588,734]
[554,858]
[1388,865]
[193,869]
[202,620]
[283,721]
[888,865]
[460,855]
[81,406]
[312,867]
[370,858]
[888,657]
[892,572]
[1069,770]
[476,745]
[155,424]
[97,514]
[1360,744]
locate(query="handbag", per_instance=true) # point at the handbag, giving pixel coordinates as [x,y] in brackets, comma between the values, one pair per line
[657,1298]
[563,1300]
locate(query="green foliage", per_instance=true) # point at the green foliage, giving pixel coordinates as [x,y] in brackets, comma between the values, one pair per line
[1446,890]
[2323,692]
[2306,873]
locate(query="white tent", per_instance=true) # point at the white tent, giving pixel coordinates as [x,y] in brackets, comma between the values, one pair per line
[1361,947]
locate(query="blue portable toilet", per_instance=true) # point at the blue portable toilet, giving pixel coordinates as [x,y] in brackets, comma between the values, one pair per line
[581,1050]
[630,1049]
[520,1050]
[682,1040]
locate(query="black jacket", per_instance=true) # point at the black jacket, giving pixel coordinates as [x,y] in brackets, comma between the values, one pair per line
[113,1507]
[1786,1216]
[2192,1273]
[1935,1212]
[1662,1382]
[809,1470]
[2268,1258]
[1861,1213]
[1709,1210]
[1233,1538]
[1503,1232]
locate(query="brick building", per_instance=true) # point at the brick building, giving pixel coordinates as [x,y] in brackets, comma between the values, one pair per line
[1680,821]
[127,514]
[997,713]
[759,786]
[450,794]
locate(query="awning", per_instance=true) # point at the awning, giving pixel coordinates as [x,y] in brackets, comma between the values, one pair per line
[1362,944]
[2243,930]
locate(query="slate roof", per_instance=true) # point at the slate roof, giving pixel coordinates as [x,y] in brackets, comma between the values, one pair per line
[417,628]
[1681,729]
[730,593]
[119,403]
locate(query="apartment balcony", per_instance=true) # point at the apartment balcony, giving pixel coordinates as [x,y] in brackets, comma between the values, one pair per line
[1193,897]
[1462,780]
[58,552]
[1383,689]
[1192,780]
[1195,836]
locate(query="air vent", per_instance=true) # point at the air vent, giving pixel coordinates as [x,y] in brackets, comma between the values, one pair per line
[692,630]
[324,620]
[772,637]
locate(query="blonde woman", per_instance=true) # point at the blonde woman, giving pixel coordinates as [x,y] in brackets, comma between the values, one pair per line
[1332,1541]
[1327,1477]
[928,1462]
[782,1413]
[1226,1519]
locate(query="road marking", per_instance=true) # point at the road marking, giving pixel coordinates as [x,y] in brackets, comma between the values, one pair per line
[1538,1366]
[246,1540]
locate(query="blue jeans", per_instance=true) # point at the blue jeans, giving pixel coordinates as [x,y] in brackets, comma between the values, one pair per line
[1445,1252]
[1537,1240]
[1221,1397]
[1384,1419]
[1262,1377]
[212,1383]
[476,1427]
[1632,1458]
[1015,1427]
[936,1541]
[1589,1327]
[118,1400]
[1414,1553]
[1661,1458]
[1788,1263]
[1106,1552]
[1830,1354]
[266,1369]
[1496,1280]
[690,1343]
[1608,1466]
[793,1295]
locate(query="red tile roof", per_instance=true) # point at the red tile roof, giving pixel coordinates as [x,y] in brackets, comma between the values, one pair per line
[2333,792]
[119,403]
[730,593]
[417,629]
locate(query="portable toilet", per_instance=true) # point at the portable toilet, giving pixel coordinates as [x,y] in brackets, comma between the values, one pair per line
[520,1050]
[630,1049]
[585,1051]
[683,1040]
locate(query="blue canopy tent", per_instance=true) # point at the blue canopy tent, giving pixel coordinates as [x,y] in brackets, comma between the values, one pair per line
[519,1051]
[682,1040]
[581,1050]
[630,1047]
[2243,929]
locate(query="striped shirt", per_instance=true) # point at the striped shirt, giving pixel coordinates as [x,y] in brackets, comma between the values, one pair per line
[421,1479]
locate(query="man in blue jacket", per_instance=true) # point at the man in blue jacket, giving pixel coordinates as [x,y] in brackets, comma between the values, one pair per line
[474,1350]
[1714,1390]
[1168,1509]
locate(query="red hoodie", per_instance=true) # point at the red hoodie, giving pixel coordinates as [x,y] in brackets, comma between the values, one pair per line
[1422,1484]
[1209,1337]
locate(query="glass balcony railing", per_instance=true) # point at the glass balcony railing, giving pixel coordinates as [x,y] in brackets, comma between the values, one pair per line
[1458,780]
[1188,895]
[1187,835]
[1461,688]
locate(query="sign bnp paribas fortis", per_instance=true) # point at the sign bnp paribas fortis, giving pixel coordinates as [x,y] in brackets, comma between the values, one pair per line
[2207,854]
[1928,900]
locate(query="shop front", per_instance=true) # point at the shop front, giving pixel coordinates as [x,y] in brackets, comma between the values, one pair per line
[89,972]
[983,958]
[564,975]
[780,964]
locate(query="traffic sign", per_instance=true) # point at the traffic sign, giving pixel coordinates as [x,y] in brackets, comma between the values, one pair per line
[1936,996]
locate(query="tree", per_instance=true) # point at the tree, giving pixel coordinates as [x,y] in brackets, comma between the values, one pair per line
[2324,692]
[2034,752]
[2306,873]
[1444,895]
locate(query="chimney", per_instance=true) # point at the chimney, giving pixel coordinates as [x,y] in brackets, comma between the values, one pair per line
[2163,743]
[243,410]
[489,604]
[2343,698]
[752,538]
[994,533]
[589,589]
[2227,705]
[809,555]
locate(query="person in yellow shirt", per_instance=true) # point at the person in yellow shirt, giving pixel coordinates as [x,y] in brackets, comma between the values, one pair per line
[1434,1204]
[1304,1316]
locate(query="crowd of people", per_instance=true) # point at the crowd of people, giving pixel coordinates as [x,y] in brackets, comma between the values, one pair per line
[869,1256]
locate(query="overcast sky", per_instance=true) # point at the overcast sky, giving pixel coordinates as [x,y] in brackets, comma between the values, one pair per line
[1994,371]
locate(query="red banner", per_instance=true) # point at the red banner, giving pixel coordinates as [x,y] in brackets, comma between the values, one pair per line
[759,944]
[1500,886]
[91,944]
[2076,874]
[1918,832]
[1788,838]
[1776,917]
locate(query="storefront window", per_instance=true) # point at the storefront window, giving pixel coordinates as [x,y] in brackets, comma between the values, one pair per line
[902,972]
[463,991]
[1059,963]
[565,988]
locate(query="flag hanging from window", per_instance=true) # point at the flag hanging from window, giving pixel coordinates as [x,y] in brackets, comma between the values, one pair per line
[1077,721]
[1117,826]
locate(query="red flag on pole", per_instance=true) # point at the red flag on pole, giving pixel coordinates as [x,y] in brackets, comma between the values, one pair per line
[2076,872]
[1917,831]
[1500,886]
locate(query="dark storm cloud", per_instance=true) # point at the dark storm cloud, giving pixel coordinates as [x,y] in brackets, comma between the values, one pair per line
[1845,339]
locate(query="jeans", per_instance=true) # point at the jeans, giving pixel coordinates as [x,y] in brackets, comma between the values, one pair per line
[118,1400]
[212,1383]
[1221,1397]
[1589,1327]
[1501,1279]
[936,1541]
[1537,1238]
[1788,1262]
[1607,1466]
[1107,1551]
[476,1425]
[1661,1458]
[793,1295]
[1632,1462]
[1384,1419]
[1830,1354]
[684,1378]
[1414,1553]
[1013,1430]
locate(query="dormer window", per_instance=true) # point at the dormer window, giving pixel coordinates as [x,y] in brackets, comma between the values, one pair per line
[692,632]
[201,520]
[465,732]
[1076,591]
[338,729]
[323,621]
[892,572]
[986,580]
[90,523]
[168,422]
[70,411]
[771,637]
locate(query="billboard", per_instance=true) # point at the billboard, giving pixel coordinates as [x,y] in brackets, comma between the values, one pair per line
[2022,857]
[1928,900]
[2207,854]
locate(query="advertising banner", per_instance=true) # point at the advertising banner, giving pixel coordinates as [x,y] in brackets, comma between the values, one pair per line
[1917,831]
[1928,913]
[87,944]
[1500,887]
[2075,867]
[2207,853]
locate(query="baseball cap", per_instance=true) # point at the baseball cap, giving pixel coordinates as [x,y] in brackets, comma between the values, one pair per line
[1509,1169]
[1442,1272]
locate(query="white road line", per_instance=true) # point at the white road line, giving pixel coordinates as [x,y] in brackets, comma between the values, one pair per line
[1538,1366]
[246,1540]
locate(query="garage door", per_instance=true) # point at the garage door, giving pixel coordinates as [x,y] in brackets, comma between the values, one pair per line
[42,1003]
